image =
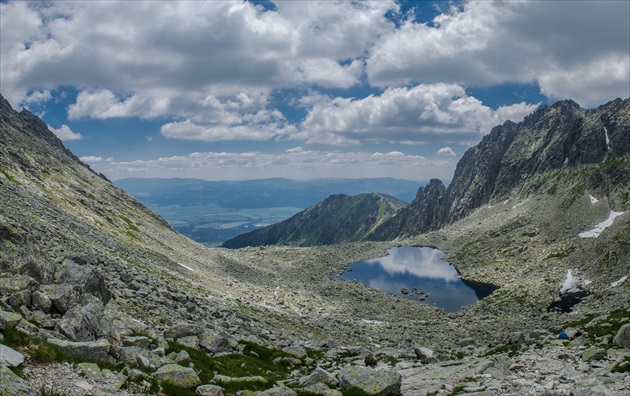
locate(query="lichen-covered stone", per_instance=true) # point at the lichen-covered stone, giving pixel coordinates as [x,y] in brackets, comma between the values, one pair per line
[183,330]
[279,391]
[373,382]
[178,375]
[97,351]
[9,320]
[63,297]
[214,343]
[84,322]
[594,354]
[209,390]
[318,375]
[295,350]
[87,277]
[622,338]
[12,385]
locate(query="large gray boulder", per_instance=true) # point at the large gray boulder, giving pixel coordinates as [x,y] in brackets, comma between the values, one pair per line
[9,320]
[12,385]
[373,382]
[181,330]
[122,324]
[214,343]
[135,355]
[96,351]
[279,391]
[622,338]
[13,284]
[86,276]
[319,375]
[295,350]
[9,357]
[84,322]
[178,375]
[209,390]
[63,297]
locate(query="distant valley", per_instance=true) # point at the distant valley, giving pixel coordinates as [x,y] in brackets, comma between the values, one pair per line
[212,212]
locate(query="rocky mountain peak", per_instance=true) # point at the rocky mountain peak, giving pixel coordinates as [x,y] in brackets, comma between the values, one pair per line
[512,156]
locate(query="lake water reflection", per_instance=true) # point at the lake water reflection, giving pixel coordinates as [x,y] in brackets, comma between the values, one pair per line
[418,273]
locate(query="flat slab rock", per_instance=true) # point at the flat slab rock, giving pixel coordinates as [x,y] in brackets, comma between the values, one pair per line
[373,382]
[178,375]
[9,357]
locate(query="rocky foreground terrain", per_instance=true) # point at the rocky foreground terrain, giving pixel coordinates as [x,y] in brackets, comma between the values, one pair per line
[99,296]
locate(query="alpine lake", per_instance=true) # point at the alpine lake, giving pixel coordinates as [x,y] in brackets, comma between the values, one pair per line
[418,273]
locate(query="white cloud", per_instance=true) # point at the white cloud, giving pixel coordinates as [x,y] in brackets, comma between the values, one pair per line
[553,43]
[91,159]
[422,113]
[211,68]
[447,151]
[154,52]
[65,133]
[294,163]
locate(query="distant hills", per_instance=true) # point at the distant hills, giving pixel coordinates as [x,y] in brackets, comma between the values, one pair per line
[513,160]
[212,212]
[337,219]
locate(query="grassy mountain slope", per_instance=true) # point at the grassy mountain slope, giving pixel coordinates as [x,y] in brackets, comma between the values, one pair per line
[337,219]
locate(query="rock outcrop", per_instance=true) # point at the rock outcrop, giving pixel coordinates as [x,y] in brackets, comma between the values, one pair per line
[515,159]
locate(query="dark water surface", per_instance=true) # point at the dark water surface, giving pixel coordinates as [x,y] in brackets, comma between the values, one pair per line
[423,273]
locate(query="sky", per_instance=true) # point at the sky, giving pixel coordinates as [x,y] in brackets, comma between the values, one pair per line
[229,90]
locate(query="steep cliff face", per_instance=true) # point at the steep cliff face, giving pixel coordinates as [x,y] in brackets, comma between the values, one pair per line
[513,157]
[337,219]
[419,215]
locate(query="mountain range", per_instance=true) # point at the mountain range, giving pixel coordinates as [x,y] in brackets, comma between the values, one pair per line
[99,292]
[212,212]
[514,159]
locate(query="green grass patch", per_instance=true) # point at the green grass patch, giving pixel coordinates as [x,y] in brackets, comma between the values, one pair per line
[9,177]
[354,391]
[256,360]
[510,349]
[580,322]
[39,350]
[130,224]
[623,366]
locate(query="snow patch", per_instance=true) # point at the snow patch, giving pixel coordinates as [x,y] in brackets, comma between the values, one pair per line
[593,199]
[607,138]
[370,321]
[518,204]
[599,228]
[618,281]
[188,268]
[574,282]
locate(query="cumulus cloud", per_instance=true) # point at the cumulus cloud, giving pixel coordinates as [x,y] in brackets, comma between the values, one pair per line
[447,151]
[180,47]
[295,163]
[554,44]
[65,133]
[210,69]
[422,113]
